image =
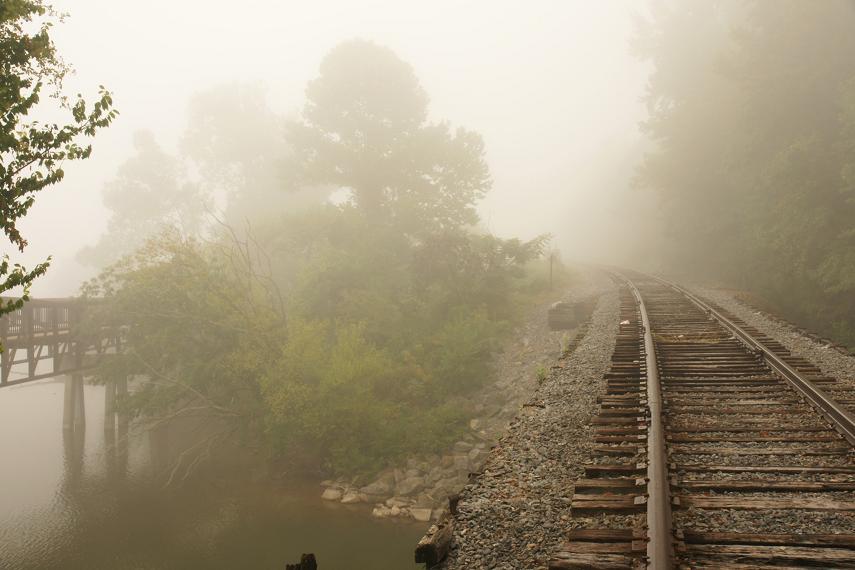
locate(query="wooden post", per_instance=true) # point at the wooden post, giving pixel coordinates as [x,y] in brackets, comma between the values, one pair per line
[121,389]
[122,421]
[79,404]
[121,430]
[307,562]
[110,451]
[109,400]
[68,405]
[74,443]
[121,395]
[77,382]
[27,333]
[434,546]
[4,356]
[54,346]
[110,419]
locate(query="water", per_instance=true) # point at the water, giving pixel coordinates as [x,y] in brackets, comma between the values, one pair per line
[75,503]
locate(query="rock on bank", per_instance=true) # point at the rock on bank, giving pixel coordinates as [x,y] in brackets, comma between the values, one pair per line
[514,514]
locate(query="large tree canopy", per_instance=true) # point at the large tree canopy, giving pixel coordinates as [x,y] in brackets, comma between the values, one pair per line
[751,112]
[365,128]
[236,145]
[149,193]
[345,335]
[32,153]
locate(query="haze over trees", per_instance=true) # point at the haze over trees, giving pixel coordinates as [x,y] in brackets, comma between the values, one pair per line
[342,335]
[752,112]
[364,127]
[150,193]
[235,145]
[32,153]
[311,280]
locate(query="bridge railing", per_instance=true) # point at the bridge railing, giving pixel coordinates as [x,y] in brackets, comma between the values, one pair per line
[45,338]
[42,316]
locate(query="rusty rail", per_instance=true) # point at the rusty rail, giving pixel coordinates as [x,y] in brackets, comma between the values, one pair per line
[840,418]
[660,550]
[689,382]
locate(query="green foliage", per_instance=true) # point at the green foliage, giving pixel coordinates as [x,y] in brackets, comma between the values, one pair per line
[336,337]
[322,393]
[236,144]
[150,193]
[202,323]
[33,153]
[386,336]
[371,364]
[364,127]
[231,154]
[752,112]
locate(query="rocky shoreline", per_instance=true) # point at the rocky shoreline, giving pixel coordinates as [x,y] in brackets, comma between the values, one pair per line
[419,489]
[515,513]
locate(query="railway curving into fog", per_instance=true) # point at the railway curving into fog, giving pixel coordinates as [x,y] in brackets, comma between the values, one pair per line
[713,446]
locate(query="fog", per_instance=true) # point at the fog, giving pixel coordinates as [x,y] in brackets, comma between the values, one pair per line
[552,87]
[340,270]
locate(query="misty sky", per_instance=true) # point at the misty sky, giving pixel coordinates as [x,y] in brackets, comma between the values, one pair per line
[551,86]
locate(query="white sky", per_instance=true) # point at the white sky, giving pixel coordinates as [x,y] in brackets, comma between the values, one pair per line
[551,86]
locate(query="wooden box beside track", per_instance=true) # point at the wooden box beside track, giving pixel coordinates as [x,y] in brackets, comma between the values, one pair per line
[564,316]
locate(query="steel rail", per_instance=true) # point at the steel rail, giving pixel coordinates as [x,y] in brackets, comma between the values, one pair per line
[660,547]
[842,420]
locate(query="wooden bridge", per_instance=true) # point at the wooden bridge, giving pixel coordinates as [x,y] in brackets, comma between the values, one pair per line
[48,338]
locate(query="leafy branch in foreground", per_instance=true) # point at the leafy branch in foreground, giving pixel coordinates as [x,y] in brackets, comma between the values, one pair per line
[32,153]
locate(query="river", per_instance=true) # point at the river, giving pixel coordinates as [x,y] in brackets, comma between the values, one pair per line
[78,503]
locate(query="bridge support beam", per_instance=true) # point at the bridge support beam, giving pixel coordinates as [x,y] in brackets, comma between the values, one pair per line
[121,389]
[73,451]
[115,393]
[109,401]
[116,427]
[74,408]
[79,404]
[68,405]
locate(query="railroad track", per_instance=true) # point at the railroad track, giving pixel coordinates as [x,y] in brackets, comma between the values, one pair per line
[714,448]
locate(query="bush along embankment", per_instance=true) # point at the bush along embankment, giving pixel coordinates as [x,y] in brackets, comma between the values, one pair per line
[337,339]
[368,356]
[420,487]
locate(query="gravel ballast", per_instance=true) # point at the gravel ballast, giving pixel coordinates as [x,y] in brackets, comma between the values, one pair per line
[516,512]
[793,519]
[830,361]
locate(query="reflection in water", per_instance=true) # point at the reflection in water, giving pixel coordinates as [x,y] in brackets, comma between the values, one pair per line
[88,499]
[115,433]
[73,442]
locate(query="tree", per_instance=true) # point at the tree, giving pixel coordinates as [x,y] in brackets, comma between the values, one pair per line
[364,127]
[393,306]
[32,153]
[751,112]
[149,193]
[236,144]
[692,123]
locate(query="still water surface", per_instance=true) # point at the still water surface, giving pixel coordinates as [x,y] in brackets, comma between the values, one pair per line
[75,503]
